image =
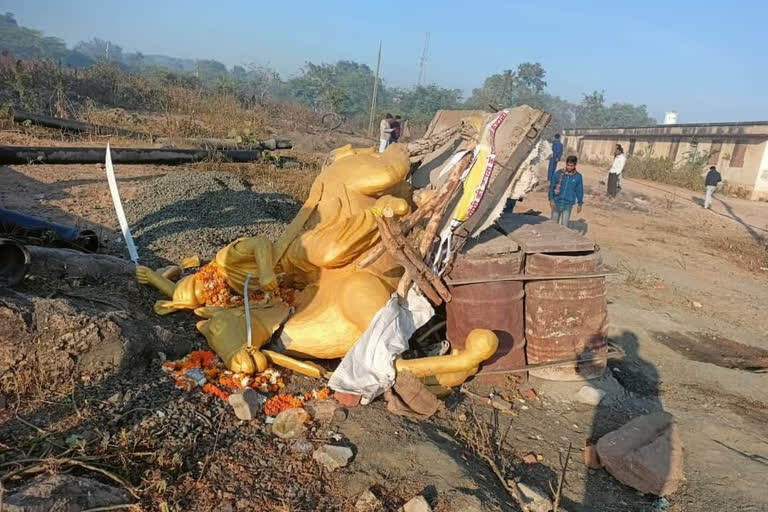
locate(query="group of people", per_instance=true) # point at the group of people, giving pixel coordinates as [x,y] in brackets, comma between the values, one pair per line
[390,131]
[566,186]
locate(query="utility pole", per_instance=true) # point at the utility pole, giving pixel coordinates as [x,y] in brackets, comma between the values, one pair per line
[423,61]
[375,91]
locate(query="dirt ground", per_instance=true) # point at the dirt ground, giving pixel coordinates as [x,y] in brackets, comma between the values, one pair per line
[686,302]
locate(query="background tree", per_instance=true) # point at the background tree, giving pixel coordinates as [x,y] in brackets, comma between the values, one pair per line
[420,103]
[100,49]
[25,43]
[592,113]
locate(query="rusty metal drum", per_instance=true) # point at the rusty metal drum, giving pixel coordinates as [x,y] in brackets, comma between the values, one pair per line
[566,318]
[495,305]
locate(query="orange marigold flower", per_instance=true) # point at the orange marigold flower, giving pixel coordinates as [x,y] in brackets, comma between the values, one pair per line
[215,391]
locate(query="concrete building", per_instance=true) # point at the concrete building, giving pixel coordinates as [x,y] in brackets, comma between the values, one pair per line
[739,150]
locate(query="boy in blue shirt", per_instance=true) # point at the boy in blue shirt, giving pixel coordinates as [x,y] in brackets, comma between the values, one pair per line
[566,189]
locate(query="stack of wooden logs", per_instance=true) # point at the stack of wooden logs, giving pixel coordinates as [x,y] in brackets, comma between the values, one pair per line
[394,241]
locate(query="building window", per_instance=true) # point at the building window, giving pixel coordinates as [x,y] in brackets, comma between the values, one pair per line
[739,150]
[714,152]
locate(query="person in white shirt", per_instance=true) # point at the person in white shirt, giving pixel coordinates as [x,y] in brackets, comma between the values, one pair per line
[614,174]
[384,132]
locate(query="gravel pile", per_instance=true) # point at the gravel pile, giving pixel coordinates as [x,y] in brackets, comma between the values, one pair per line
[197,212]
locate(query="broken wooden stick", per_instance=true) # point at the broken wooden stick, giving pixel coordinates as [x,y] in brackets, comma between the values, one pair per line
[396,251]
[442,201]
[562,480]
[424,271]
[441,198]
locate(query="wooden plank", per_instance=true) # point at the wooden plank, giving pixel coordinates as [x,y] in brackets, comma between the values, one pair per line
[537,234]
[490,242]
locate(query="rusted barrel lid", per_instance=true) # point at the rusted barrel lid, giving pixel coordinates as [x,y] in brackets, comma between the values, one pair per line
[491,255]
[14,262]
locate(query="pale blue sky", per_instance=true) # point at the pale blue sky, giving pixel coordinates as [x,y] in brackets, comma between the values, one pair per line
[705,59]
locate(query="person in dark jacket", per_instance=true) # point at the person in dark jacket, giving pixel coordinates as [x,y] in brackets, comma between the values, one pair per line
[710,183]
[565,190]
[554,158]
[395,125]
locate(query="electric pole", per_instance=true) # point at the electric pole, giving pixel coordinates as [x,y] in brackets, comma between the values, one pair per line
[375,91]
[423,61]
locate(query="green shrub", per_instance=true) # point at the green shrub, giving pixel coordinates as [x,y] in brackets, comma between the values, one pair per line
[687,173]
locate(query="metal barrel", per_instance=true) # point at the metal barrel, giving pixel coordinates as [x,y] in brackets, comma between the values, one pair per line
[14,262]
[496,305]
[567,318]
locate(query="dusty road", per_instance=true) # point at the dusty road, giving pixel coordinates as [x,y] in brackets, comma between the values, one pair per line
[693,319]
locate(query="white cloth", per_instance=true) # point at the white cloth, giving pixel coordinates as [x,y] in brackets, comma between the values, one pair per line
[368,368]
[708,198]
[618,164]
[383,143]
[528,180]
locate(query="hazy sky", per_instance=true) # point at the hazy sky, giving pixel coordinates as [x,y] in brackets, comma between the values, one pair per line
[705,59]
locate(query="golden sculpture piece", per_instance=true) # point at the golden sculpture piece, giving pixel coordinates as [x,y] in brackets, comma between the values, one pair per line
[317,256]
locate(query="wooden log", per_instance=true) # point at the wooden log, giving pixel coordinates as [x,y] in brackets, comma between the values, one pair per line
[391,246]
[444,199]
[424,272]
[409,222]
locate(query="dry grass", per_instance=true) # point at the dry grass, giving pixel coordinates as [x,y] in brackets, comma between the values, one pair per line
[745,251]
[185,113]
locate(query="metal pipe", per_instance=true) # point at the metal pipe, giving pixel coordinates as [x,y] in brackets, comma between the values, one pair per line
[616,353]
[20,155]
[14,262]
[270,144]
[74,126]
[16,223]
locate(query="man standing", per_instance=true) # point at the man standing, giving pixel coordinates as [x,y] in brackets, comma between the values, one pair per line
[710,182]
[384,132]
[565,190]
[395,125]
[614,174]
[557,154]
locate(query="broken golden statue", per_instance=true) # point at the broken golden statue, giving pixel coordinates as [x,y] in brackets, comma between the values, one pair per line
[316,255]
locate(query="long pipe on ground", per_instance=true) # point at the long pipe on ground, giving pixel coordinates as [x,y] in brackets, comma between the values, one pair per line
[83,127]
[270,144]
[20,155]
[19,224]
[14,262]
[74,126]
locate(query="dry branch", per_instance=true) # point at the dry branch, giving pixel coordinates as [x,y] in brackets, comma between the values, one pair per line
[391,245]
[441,198]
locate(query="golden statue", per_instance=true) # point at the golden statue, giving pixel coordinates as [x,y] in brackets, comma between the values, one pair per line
[317,256]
